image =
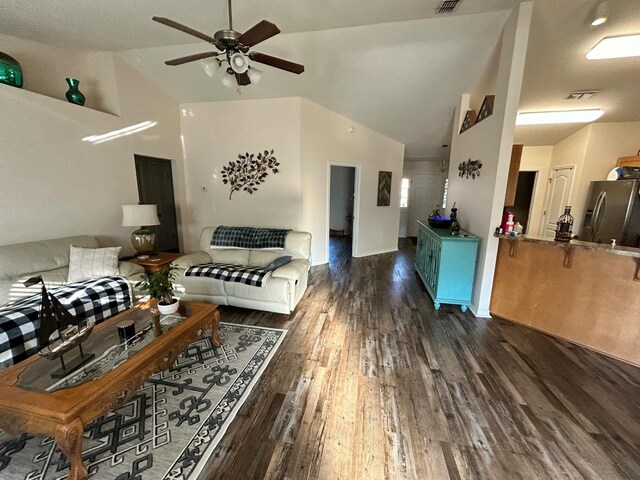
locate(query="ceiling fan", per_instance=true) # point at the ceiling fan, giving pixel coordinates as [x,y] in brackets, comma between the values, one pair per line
[233,51]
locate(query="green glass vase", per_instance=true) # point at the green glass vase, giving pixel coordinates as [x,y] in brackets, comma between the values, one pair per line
[73,94]
[10,71]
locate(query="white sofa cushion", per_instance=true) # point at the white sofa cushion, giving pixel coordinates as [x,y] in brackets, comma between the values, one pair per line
[232,256]
[262,258]
[88,263]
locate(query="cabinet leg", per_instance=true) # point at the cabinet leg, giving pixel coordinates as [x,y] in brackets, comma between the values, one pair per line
[69,440]
[436,305]
[463,308]
[215,322]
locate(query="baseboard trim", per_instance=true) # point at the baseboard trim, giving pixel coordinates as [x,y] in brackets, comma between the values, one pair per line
[379,252]
[315,263]
[480,312]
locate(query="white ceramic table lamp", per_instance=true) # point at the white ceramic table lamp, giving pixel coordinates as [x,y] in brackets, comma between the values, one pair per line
[143,216]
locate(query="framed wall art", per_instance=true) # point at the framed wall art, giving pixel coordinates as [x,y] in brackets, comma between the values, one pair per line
[384,189]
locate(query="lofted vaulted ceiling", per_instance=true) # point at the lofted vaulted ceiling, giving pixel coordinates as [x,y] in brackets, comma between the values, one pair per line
[394,66]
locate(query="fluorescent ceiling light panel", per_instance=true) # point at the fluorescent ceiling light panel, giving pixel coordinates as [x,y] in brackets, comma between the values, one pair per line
[567,116]
[616,47]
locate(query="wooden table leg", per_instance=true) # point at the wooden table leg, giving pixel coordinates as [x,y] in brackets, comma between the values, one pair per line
[215,322]
[69,440]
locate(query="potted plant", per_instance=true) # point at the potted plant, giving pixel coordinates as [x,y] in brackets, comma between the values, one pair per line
[159,285]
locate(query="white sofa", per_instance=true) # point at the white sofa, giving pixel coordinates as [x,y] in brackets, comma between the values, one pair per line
[48,258]
[282,291]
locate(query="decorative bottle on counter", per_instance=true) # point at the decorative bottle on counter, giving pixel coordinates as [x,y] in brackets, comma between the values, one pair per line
[455,225]
[510,223]
[564,226]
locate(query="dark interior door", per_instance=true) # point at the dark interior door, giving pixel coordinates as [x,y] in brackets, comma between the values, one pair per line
[155,185]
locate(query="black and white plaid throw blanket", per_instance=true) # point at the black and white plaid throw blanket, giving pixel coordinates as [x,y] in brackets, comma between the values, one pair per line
[255,277]
[95,300]
[249,237]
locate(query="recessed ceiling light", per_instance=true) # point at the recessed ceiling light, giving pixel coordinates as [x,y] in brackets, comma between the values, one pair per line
[602,14]
[567,116]
[616,47]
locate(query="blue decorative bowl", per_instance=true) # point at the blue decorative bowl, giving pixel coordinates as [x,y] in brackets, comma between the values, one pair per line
[440,222]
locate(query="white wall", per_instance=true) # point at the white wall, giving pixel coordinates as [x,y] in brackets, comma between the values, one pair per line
[325,138]
[213,135]
[481,200]
[341,201]
[53,184]
[306,139]
[537,159]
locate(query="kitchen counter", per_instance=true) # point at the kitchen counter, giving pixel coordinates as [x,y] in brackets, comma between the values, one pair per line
[587,293]
[594,247]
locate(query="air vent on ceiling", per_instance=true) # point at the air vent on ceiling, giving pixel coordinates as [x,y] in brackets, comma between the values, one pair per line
[581,94]
[448,6]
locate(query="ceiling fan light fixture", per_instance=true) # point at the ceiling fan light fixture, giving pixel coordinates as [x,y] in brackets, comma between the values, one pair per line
[211,66]
[239,62]
[254,75]
[228,81]
[602,13]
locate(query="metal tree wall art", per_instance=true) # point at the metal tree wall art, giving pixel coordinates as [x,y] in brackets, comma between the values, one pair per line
[249,171]
[470,168]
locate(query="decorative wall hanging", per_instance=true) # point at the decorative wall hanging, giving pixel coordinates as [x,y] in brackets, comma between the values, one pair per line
[470,168]
[487,107]
[249,171]
[384,189]
[469,120]
[73,94]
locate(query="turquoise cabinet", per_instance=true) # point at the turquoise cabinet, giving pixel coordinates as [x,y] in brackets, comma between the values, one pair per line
[446,264]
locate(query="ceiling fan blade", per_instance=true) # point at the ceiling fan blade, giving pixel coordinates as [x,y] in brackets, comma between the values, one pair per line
[191,58]
[258,33]
[243,79]
[277,62]
[183,28]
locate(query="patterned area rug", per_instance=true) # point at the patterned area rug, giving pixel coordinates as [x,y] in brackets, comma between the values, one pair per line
[170,427]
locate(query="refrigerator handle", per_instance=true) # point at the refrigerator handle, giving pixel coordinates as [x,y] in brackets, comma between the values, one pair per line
[602,199]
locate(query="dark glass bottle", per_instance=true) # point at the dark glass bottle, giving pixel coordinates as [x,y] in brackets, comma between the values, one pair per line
[564,226]
[455,225]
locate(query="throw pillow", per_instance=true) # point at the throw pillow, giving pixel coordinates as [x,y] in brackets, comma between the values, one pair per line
[278,262]
[87,263]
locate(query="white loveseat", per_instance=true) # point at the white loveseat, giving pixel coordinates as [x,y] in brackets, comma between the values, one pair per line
[282,291]
[48,258]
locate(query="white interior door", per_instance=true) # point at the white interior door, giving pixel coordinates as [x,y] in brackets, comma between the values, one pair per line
[425,193]
[557,198]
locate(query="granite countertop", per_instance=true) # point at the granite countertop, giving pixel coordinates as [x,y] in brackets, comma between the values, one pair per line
[595,247]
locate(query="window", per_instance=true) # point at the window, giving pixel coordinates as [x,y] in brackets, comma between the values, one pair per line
[444,195]
[404,193]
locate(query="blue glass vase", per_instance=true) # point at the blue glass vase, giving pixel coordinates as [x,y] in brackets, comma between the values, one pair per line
[73,94]
[10,71]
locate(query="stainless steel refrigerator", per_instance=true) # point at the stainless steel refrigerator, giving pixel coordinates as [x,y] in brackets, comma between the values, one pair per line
[613,212]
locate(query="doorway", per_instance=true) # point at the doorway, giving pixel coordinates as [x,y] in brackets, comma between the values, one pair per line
[557,197]
[342,234]
[425,195]
[155,186]
[524,198]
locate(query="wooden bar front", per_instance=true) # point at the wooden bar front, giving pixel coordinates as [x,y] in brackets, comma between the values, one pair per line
[585,296]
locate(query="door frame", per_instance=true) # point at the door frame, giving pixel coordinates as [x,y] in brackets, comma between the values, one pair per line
[548,192]
[355,226]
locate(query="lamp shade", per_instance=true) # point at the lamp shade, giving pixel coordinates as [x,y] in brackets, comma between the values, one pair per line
[139,215]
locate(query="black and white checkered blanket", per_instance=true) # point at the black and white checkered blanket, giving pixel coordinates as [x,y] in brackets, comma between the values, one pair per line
[92,300]
[249,237]
[255,277]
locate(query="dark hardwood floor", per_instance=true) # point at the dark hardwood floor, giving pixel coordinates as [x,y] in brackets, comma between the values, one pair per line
[372,383]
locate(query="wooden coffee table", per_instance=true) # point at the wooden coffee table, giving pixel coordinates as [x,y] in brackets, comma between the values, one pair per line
[31,401]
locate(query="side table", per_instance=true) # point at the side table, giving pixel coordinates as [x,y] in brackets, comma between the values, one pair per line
[156,262]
